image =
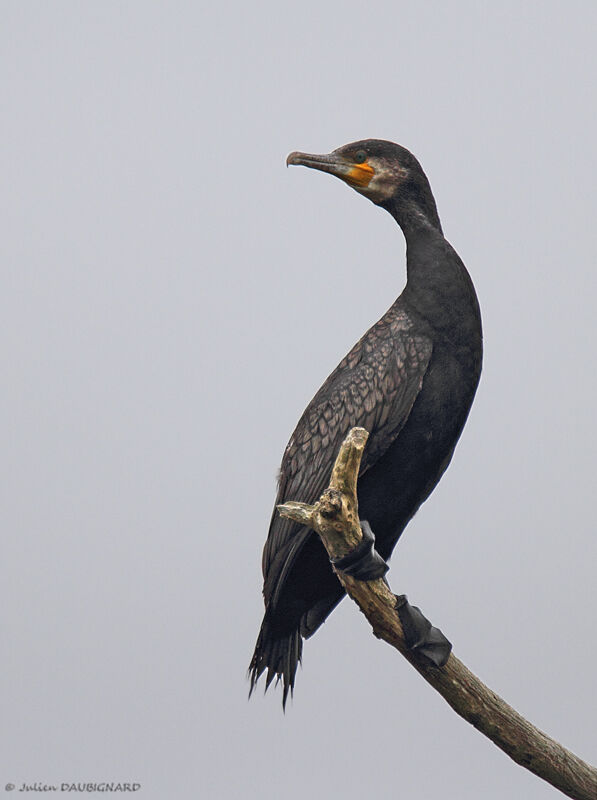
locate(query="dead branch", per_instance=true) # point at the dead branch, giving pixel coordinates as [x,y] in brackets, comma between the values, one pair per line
[335,518]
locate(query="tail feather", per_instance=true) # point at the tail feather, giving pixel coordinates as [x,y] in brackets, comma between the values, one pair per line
[280,656]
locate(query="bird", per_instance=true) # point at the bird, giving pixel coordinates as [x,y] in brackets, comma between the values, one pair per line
[409,381]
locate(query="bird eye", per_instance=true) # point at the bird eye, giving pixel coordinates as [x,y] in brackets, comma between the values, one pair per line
[360,156]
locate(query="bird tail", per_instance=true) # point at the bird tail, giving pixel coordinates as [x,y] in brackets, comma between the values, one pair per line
[280,655]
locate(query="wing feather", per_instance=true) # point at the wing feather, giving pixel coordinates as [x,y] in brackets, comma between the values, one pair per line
[374,387]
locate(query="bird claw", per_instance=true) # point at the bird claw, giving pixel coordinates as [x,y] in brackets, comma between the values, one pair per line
[420,635]
[364,562]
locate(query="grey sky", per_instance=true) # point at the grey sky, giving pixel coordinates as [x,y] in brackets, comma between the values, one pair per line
[171,299]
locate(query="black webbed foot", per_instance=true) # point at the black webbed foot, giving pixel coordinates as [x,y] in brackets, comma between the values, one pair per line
[420,635]
[364,562]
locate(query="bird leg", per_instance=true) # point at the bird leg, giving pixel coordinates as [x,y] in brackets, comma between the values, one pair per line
[364,562]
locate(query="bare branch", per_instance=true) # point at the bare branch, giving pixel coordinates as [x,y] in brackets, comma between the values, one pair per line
[335,518]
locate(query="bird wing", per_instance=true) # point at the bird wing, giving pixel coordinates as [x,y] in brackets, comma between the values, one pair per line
[373,387]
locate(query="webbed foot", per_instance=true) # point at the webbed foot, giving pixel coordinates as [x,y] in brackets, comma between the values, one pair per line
[364,563]
[420,635]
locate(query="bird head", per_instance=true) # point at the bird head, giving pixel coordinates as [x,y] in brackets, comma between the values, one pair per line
[375,168]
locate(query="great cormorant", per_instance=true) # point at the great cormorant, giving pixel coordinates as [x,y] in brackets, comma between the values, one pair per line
[410,381]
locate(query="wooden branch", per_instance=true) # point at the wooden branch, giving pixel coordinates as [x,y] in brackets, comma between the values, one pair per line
[335,518]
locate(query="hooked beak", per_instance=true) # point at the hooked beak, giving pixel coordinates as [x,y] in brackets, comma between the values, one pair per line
[326,163]
[356,175]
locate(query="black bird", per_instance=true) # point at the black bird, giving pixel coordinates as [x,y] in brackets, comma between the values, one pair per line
[410,381]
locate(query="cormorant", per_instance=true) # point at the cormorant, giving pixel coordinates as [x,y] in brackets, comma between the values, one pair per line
[410,381]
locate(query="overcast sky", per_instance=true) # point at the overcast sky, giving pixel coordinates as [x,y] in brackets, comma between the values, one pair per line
[172,297]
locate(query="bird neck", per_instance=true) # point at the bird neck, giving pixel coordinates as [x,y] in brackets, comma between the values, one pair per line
[414,209]
[417,216]
[438,286]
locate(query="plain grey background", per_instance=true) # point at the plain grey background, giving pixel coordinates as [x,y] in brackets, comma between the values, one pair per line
[172,297]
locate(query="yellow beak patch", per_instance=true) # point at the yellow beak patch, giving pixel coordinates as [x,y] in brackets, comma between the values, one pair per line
[360,174]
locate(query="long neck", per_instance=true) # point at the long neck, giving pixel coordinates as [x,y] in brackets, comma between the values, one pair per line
[438,285]
[416,213]
[413,207]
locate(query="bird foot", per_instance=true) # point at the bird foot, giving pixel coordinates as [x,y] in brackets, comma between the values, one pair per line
[420,635]
[364,562]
